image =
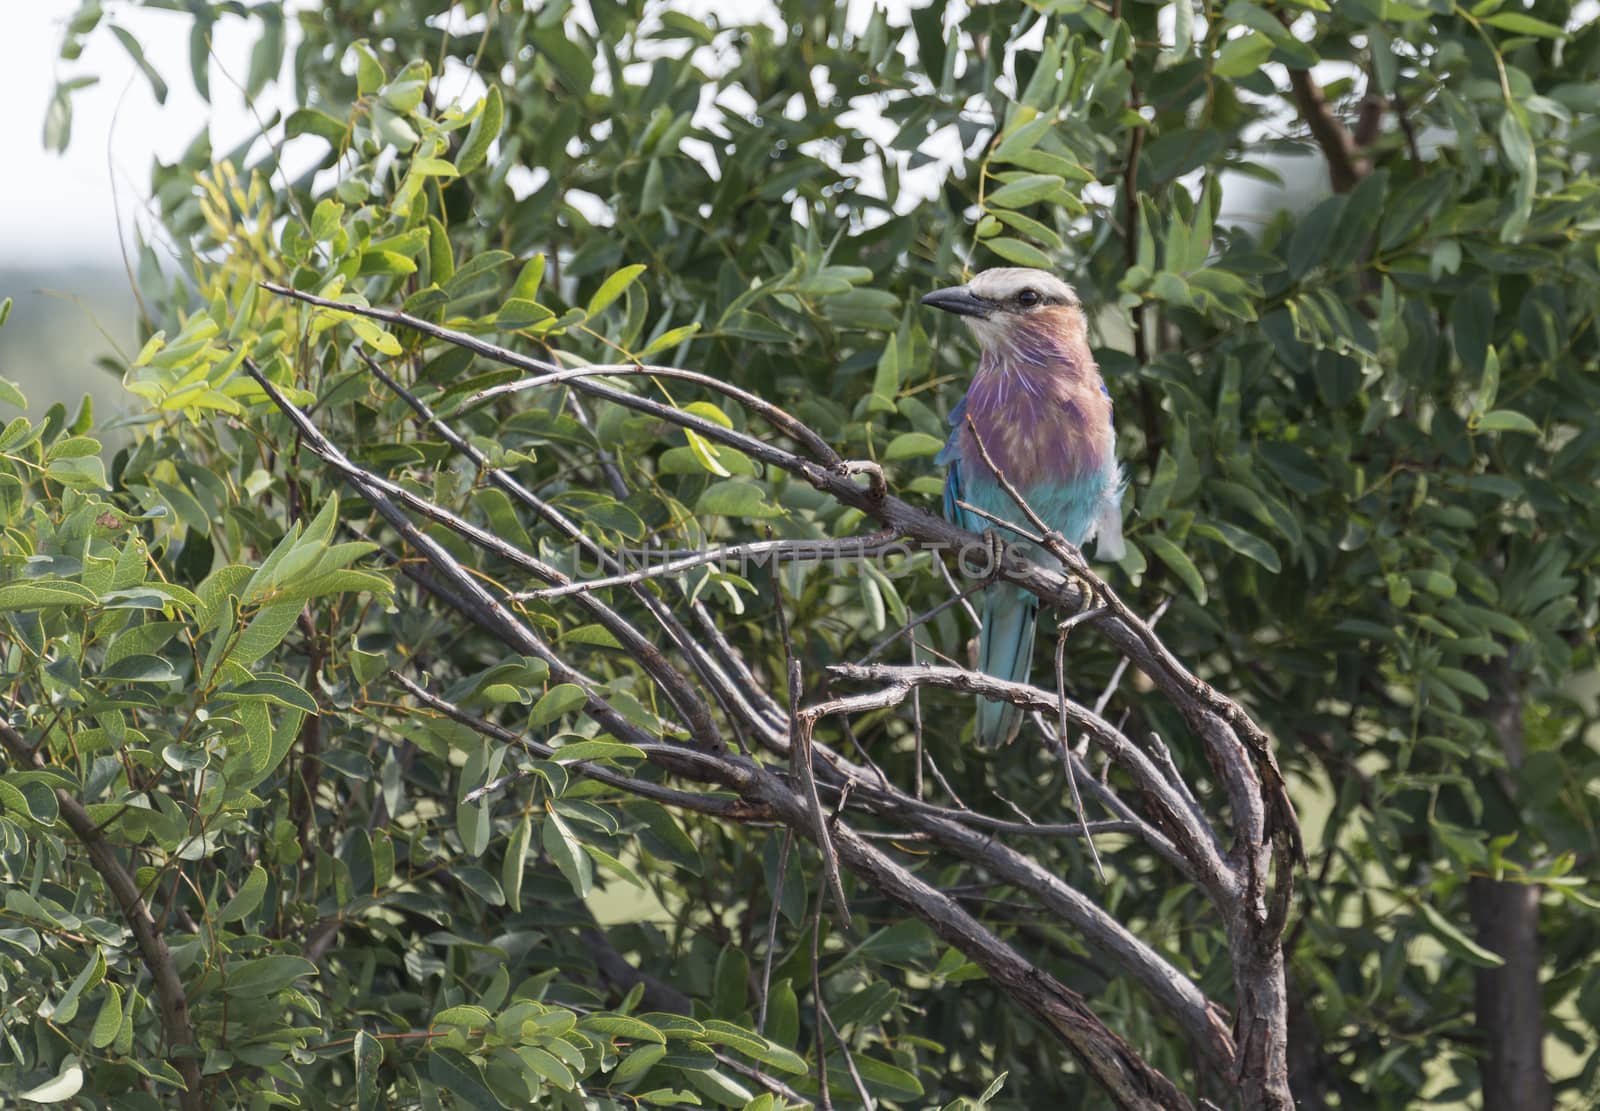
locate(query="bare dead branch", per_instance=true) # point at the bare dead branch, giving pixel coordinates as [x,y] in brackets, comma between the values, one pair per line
[1262,827]
[1173,815]
[796,551]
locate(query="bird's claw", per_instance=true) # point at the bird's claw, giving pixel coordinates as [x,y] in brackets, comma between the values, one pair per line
[997,552]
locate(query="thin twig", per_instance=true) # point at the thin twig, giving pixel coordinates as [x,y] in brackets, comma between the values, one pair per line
[921,619]
[779,551]
[732,696]
[1072,779]
[772,931]
[819,1008]
[800,763]
[850,1064]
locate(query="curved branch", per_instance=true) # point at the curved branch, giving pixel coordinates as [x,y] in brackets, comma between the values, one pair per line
[1346,164]
[1263,821]
[1190,836]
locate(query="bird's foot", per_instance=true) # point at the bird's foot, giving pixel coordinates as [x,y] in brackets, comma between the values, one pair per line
[996,553]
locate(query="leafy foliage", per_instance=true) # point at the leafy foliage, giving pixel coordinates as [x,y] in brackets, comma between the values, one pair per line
[1363,464]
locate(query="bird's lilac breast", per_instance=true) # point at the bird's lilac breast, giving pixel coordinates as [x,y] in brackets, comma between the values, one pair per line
[1037,427]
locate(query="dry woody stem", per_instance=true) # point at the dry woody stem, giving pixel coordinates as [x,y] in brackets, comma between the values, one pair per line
[1238,844]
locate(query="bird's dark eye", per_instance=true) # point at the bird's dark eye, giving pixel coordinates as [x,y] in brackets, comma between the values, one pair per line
[1028,297]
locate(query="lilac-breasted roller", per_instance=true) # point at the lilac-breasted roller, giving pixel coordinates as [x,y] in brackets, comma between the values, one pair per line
[1042,410]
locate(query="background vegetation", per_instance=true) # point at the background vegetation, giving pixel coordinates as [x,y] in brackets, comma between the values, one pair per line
[1363,461]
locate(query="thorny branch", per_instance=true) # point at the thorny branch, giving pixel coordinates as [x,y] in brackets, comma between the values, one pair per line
[1248,881]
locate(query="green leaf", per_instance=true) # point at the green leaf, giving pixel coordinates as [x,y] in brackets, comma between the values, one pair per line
[596,750]
[278,689]
[543,1062]
[108,1022]
[40,593]
[432,167]
[1518,23]
[67,1083]
[663,837]
[1172,555]
[526,287]
[1028,226]
[909,445]
[259,978]
[374,336]
[31,797]
[66,1008]
[622,1026]
[58,120]
[246,899]
[736,498]
[889,1081]
[558,700]
[669,339]
[1457,942]
[465,1015]
[1015,250]
[267,630]
[369,71]
[312,121]
[461,1078]
[1247,544]
[1504,420]
[368,1054]
[1313,235]
[1242,56]
[1522,160]
[367,666]
[706,454]
[10,392]
[638,1062]
[1026,190]
[729,992]
[1053,164]
[567,851]
[485,130]
[266,57]
[514,866]
[83,473]
[613,287]
[136,52]
[140,669]
[886,379]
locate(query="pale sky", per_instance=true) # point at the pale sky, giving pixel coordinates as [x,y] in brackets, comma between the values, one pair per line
[59,208]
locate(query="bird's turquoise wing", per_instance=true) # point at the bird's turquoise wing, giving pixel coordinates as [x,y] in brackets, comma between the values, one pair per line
[950,456]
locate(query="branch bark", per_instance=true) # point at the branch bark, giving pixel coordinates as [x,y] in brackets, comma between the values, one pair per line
[1510,999]
[1346,163]
[1264,835]
[172,1000]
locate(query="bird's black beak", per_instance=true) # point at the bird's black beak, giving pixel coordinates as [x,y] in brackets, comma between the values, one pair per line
[960,300]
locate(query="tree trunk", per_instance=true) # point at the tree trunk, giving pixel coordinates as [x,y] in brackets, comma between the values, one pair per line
[1509,1002]
[1510,1005]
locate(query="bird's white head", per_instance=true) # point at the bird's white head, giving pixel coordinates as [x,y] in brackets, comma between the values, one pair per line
[999,302]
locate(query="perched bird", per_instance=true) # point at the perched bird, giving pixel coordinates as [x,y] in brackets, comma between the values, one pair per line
[1041,409]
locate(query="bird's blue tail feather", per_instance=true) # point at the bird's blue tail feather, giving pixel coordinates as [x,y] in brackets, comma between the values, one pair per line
[1005,651]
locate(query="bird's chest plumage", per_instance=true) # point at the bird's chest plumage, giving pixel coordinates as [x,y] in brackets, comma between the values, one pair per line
[1037,427]
[1047,427]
